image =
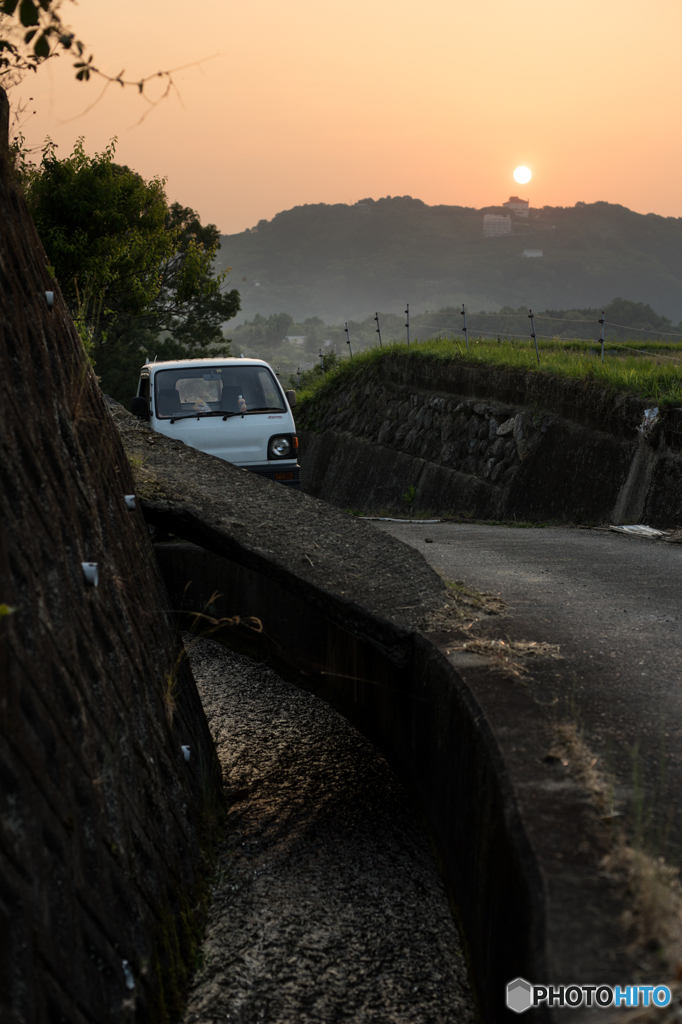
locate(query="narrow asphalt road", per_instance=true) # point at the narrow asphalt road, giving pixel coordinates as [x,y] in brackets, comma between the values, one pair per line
[614,605]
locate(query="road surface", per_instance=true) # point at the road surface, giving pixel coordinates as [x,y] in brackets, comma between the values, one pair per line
[614,605]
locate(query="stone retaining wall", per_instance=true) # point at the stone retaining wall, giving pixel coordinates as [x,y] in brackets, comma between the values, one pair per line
[101,815]
[488,442]
[485,439]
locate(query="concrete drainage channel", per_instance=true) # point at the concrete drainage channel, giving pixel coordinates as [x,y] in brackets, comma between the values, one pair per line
[326,904]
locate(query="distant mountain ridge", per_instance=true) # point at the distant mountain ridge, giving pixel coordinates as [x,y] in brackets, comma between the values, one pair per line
[341,262]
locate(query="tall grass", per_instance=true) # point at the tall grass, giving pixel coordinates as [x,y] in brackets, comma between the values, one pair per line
[650,369]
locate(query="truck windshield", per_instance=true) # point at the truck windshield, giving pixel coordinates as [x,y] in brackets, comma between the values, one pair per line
[187,391]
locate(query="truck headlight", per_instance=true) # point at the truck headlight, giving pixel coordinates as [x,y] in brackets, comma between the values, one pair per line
[279,447]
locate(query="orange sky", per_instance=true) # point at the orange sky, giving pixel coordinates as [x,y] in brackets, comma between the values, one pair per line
[333,102]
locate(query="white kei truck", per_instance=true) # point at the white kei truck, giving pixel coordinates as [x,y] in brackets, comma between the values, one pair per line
[234,409]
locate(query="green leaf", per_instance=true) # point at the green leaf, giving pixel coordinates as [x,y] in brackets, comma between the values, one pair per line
[83,76]
[6,609]
[42,47]
[30,34]
[28,13]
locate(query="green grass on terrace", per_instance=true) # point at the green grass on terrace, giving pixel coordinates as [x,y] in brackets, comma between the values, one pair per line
[655,376]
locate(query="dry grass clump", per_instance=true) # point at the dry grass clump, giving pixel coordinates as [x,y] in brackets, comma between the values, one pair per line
[653,918]
[508,652]
[470,601]
[574,753]
[212,625]
[467,607]
[464,607]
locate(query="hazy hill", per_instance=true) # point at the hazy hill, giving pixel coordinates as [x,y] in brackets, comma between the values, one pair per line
[342,262]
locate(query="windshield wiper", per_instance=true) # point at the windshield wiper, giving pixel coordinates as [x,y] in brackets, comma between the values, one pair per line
[198,415]
[266,408]
[225,415]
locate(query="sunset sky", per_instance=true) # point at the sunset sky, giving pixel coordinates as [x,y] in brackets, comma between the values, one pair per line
[332,102]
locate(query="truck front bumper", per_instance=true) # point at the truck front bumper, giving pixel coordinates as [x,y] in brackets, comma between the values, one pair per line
[288,475]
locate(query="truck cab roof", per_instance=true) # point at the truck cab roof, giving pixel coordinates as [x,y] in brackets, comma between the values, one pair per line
[168,364]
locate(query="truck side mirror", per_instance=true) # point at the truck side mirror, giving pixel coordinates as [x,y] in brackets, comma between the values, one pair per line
[140,407]
[291,398]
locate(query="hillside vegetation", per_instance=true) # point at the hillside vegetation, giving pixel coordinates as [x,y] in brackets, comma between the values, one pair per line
[293,346]
[341,262]
[651,370]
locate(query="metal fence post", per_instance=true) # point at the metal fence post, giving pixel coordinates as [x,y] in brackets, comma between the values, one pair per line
[466,333]
[407,314]
[601,336]
[348,340]
[532,328]
[378,330]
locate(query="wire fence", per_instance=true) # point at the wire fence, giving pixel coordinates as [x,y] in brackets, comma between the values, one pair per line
[461,327]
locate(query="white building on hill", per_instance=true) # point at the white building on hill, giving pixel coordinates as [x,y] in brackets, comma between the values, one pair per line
[517,206]
[496,224]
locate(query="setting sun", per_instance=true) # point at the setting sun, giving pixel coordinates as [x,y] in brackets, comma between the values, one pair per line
[522,175]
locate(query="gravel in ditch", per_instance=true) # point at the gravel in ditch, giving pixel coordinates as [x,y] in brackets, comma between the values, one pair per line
[326,905]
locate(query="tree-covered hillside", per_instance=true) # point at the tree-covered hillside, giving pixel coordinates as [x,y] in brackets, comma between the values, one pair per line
[342,262]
